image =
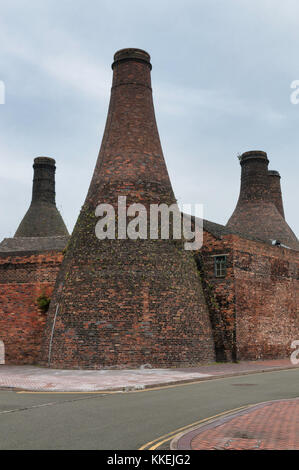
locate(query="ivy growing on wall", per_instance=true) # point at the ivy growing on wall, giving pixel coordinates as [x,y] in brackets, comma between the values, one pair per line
[43,302]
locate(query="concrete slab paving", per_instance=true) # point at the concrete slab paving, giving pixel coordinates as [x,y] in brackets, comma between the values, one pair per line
[40,379]
[34,378]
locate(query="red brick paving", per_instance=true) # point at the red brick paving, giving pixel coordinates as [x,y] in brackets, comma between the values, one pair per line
[268,426]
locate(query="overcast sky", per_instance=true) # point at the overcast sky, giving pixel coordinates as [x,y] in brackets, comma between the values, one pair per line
[222,71]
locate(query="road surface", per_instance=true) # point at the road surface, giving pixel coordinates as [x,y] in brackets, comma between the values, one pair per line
[115,421]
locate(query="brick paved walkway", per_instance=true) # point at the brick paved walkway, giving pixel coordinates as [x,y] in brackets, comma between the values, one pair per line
[267,426]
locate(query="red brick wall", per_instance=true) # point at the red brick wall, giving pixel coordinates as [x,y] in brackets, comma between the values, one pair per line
[267,299]
[220,295]
[23,278]
[254,309]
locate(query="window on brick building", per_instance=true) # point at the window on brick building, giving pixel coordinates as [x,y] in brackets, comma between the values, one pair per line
[220,265]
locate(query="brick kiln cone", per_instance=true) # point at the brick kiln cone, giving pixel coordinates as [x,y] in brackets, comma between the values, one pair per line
[126,303]
[259,212]
[42,218]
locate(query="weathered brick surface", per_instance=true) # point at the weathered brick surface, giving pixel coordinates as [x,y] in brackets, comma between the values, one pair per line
[220,294]
[124,303]
[267,299]
[253,310]
[256,314]
[259,209]
[23,278]
[275,194]
[42,218]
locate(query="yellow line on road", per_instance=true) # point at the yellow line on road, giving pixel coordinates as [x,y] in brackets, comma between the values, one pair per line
[152,445]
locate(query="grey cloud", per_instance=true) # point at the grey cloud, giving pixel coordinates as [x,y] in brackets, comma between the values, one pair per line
[221,81]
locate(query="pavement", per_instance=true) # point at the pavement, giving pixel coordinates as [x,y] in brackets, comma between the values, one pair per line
[33,378]
[271,425]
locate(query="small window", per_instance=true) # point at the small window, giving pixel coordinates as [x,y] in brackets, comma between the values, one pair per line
[220,266]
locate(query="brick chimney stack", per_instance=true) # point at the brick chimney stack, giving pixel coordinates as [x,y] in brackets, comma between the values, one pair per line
[275,194]
[254,182]
[259,211]
[43,189]
[42,218]
[123,302]
[131,151]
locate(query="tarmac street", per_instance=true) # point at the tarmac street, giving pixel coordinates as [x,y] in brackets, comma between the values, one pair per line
[130,420]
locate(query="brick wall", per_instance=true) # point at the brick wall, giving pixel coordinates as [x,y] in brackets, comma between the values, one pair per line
[267,299]
[220,294]
[254,309]
[23,278]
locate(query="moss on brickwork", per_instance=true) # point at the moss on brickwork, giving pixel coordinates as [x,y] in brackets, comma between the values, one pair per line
[43,302]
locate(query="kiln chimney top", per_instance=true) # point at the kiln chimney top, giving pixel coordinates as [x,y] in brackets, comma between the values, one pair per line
[42,218]
[138,55]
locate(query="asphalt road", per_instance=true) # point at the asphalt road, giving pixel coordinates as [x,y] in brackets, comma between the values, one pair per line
[128,420]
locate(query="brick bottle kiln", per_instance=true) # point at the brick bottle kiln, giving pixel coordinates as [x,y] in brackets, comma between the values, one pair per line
[126,303]
[29,263]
